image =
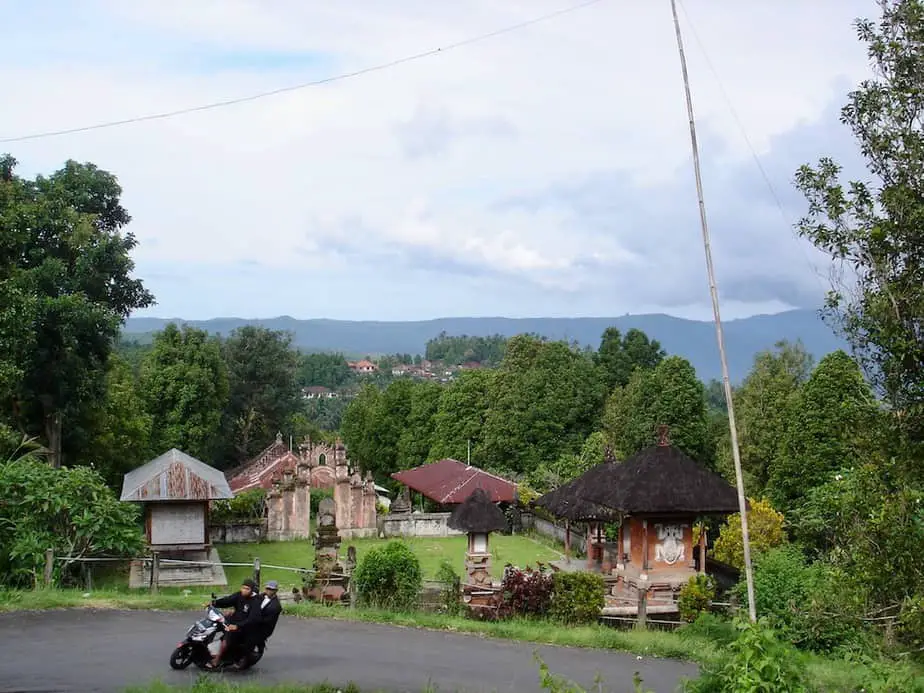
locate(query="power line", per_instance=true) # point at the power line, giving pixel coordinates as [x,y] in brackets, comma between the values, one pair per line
[747,140]
[305,85]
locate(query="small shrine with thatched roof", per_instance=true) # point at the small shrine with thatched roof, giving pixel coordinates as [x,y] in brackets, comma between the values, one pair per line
[478,517]
[654,498]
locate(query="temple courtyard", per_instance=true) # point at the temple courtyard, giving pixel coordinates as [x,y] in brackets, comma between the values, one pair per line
[518,550]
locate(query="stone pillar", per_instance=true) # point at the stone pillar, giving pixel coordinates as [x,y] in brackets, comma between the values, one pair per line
[590,546]
[288,497]
[370,518]
[274,512]
[645,550]
[302,503]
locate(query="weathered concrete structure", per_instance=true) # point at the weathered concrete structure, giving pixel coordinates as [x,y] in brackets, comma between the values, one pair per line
[175,490]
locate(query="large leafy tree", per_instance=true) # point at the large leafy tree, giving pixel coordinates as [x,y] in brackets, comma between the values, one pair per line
[65,274]
[670,395]
[416,439]
[620,355]
[184,384]
[875,228]
[263,389]
[832,425]
[358,426]
[461,415]
[545,400]
[762,407]
[121,430]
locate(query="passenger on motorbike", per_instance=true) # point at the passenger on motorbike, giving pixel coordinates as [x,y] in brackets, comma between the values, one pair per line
[270,608]
[243,623]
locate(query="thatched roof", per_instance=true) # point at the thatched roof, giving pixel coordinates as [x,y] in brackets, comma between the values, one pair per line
[566,503]
[478,514]
[659,479]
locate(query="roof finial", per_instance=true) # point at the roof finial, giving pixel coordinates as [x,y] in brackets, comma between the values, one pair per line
[663,439]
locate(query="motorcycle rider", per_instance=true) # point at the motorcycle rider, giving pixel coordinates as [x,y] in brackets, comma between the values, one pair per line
[242,623]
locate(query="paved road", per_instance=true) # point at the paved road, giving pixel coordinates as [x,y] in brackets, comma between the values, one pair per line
[108,650]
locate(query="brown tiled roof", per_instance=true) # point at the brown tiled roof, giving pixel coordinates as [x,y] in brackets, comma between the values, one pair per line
[450,481]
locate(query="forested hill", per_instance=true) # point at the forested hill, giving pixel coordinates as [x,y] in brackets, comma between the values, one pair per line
[694,340]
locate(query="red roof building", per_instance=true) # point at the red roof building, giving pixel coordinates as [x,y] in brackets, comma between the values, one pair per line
[449,482]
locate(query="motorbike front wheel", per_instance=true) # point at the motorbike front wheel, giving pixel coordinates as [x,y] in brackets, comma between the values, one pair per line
[182,657]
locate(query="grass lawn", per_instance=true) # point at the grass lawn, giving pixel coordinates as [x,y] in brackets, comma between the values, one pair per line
[519,550]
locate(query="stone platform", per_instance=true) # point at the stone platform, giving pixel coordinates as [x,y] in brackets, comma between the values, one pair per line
[179,574]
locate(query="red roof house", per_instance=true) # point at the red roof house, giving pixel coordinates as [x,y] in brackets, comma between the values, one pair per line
[449,482]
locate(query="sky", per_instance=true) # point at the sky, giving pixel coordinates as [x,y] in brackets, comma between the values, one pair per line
[541,172]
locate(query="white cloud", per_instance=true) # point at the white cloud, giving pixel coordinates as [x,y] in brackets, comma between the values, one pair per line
[409,163]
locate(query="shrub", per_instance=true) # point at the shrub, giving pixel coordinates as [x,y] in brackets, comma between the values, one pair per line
[577,597]
[244,507]
[696,597]
[711,627]
[811,605]
[451,592]
[756,661]
[389,577]
[765,530]
[525,592]
[910,630]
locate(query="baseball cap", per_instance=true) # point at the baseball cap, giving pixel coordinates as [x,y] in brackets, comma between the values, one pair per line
[272,585]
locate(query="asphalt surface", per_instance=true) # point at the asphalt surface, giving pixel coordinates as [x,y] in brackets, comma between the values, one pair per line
[109,650]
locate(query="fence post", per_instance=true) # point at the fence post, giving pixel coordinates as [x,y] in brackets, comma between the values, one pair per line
[155,572]
[352,589]
[49,568]
[642,607]
[256,572]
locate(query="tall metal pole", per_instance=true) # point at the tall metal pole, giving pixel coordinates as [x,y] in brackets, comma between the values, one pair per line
[736,454]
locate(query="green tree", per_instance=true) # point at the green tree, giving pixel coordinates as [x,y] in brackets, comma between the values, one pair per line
[358,425]
[326,370]
[121,437]
[832,422]
[461,415]
[765,530]
[762,412]
[416,439]
[669,395]
[875,229]
[463,348]
[619,356]
[263,390]
[184,384]
[545,399]
[65,267]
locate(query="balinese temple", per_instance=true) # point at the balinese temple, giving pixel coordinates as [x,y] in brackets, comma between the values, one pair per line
[655,499]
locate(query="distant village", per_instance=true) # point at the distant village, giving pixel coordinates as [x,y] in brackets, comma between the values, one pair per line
[437,371]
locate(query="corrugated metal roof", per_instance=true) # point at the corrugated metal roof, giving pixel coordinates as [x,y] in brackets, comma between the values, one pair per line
[175,476]
[449,481]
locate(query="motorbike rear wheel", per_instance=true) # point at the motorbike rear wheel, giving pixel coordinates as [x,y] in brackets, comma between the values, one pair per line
[181,657]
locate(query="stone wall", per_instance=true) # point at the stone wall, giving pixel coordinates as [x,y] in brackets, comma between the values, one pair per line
[238,533]
[416,525]
[556,530]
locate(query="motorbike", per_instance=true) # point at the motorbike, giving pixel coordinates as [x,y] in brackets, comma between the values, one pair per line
[203,641]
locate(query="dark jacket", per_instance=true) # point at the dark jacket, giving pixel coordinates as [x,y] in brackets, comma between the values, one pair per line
[246,609]
[269,614]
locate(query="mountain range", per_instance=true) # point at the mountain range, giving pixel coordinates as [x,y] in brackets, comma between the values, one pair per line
[694,340]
